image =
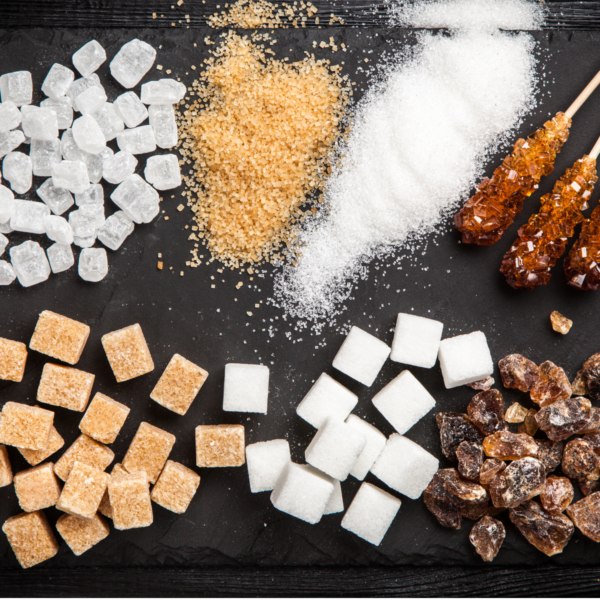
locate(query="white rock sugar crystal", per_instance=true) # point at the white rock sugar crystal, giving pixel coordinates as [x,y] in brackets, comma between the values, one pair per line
[416,340]
[85,242]
[90,100]
[89,58]
[132,62]
[10,140]
[82,84]
[39,123]
[30,263]
[29,216]
[326,398]
[371,513]
[131,108]
[163,91]
[465,358]
[63,107]
[266,461]
[7,273]
[139,140]
[419,142]
[17,87]
[336,500]
[71,175]
[93,264]
[119,166]
[58,200]
[7,204]
[361,356]
[93,195]
[3,243]
[86,220]
[16,169]
[375,444]
[246,388]
[44,155]
[58,230]
[302,492]
[162,121]
[115,230]
[405,466]
[109,120]
[403,401]
[137,199]
[61,257]
[10,116]
[5,228]
[88,135]
[163,172]
[95,163]
[69,148]
[58,81]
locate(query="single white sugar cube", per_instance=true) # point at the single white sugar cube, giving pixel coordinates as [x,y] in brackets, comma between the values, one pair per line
[7,205]
[405,466]
[163,172]
[10,116]
[139,140]
[63,107]
[7,273]
[89,58]
[302,492]
[132,110]
[115,230]
[361,356]
[119,166]
[10,140]
[71,175]
[86,220]
[58,230]
[44,154]
[30,263]
[90,100]
[403,401]
[88,135]
[326,398]
[335,449]
[29,216]
[85,242]
[137,199]
[336,500]
[266,461]
[371,513]
[58,81]
[163,91]
[82,84]
[17,87]
[3,243]
[58,200]
[39,123]
[246,388]
[375,444]
[162,121]
[93,264]
[132,62]
[465,358]
[61,257]
[16,169]
[109,120]
[93,195]
[416,341]
[95,163]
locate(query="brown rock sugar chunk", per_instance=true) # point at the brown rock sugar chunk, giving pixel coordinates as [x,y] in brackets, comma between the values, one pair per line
[593,425]
[35,457]
[587,486]
[506,445]
[486,411]
[487,536]
[65,386]
[560,323]
[454,429]
[470,460]
[586,516]
[105,508]
[594,440]
[529,425]
[37,488]
[83,491]
[6,475]
[82,534]
[59,337]
[175,487]
[550,454]
[490,468]
[179,385]
[104,419]
[482,385]
[130,501]
[86,450]
[128,353]
[552,385]
[515,413]
[518,372]
[520,481]
[31,538]
[548,533]
[220,446]
[25,426]
[558,493]
[580,461]
[562,419]
[578,387]
[13,356]
[591,376]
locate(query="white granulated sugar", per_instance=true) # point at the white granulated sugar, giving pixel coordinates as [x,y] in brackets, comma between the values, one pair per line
[418,144]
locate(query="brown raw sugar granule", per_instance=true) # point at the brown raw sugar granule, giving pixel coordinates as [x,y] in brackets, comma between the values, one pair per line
[25,426]
[149,451]
[82,534]
[255,14]
[104,419]
[13,356]
[130,501]
[83,491]
[37,488]
[6,476]
[31,538]
[105,508]
[65,386]
[84,449]
[179,385]
[560,323]
[220,446]
[175,487]
[128,353]
[35,457]
[59,337]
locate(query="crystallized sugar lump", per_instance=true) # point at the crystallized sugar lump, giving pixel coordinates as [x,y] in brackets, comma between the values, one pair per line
[6,475]
[246,388]
[220,445]
[266,461]
[37,488]
[31,538]
[82,534]
[416,341]
[84,450]
[336,500]
[35,457]
[25,426]
[465,358]
[175,487]
[375,442]
[149,451]
[128,353]
[13,356]
[59,337]
[65,386]
[83,491]
[104,419]
[130,501]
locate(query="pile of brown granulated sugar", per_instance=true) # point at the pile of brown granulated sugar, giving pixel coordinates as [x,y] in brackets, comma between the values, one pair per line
[259,136]
[249,14]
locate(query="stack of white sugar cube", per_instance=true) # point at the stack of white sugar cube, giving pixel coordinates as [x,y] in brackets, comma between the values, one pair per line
[77,162]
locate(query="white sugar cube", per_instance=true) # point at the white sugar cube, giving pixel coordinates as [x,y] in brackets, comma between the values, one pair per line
[95,163]
[16,169]
[403,401]
[375,444]
[90,100]
[162,121]
[132,62]
[302,492]
[63,107]
[163,172]
[405,466]
[371,513]
[465,358]
[82,84]
[17,87]
[137,199]
[89,58]
[361,356]
[71,175]
[61,257]
[139,140]
[88,135]
[58,230]
[58,200]
[266,461]
[44,154]
[3,243]
[132,110]
[29,216]
[336,500]
[85,242]
[246,388]
[39,123]
[115,230]
[30,263]
[163,91]
[93,264]
[86,220]
[335,449]
[10,116]
[416,341]
[93,195]
[109,120]
[58,81]
[10,140]
[119,166]
[7,273]
[7,204]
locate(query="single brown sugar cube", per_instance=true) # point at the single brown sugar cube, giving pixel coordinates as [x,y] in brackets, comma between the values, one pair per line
[175,487]
[59,337]
[130,501]
[149,451]
[30,538]
[35,457]
[82,534]
[104,419]
[6,476]
[65,386]
[220,446]
[83,491]
[105,508]
[13,356]
[128,353]
[25,426]
[179,385]
[37,488]
[84,449]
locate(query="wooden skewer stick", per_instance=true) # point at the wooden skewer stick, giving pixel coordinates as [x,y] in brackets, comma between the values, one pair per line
[596,149]
[585,94]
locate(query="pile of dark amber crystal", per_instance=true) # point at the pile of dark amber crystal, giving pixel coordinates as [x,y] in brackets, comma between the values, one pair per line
[582,267]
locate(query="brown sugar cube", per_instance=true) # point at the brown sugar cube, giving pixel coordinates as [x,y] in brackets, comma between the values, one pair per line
[87,451]
[65,386]
[83,491]
[13,356]
[179,385]
[149,451]
[37,488]
[35,457]
[220,446]
[31,538]
[59,337]
[128,353]
[130,501]
[25,426]
[104,418]
[105,508]
[175,487]
[82,534]
[6,475]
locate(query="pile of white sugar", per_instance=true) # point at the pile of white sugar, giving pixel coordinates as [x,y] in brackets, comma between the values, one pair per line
[419,143]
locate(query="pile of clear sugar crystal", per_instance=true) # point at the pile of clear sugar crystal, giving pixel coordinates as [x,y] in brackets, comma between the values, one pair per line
[74,158]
